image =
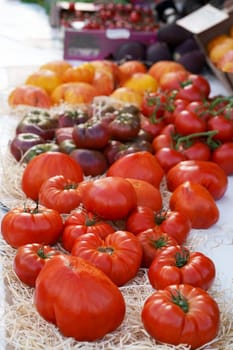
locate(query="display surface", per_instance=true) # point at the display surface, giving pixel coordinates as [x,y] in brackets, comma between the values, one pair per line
[23,328]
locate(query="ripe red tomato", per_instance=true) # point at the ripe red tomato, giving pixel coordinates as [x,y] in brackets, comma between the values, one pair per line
[223,125]
[29,260]
[141,165]
[45,165]
[203,213]
[118,256]
[198,150]
[176,265]
[181,308]
[206,173]
[187,122]
[147,194]
[80,222]
[111,197]
[169,157]
[25,225]
[60,194]
[223,156]
[153,241]
[174,223]
[88,304]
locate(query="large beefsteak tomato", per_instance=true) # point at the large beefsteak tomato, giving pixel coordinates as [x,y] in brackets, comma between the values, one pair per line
[181,314]
[23,225]
[78,298]
[119,255]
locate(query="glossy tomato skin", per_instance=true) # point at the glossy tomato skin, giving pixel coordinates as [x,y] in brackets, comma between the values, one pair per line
[153,241]
[223,156]
[206,173]
[224,126]
[22,225]
[60,194]
[118,255]
[171,222]
[181,307]
[203,213]
[147,194]
[141,165]
[80,222]
[177,265]
[111,197]
[29,260]
[169,157]
[198,150]
[84,300]
[45,165]
[93,134]
[188,122]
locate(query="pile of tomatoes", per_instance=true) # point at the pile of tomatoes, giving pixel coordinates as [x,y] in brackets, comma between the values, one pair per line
[85,237]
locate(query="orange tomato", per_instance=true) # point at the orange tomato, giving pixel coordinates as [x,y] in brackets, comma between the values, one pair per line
[44,78]
[158,69]
[29,95]
[58,66]
[74,93]
[141,83]
[83,73]
[128,68]
[127,95]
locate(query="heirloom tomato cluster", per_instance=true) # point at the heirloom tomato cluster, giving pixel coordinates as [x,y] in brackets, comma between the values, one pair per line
[118,184]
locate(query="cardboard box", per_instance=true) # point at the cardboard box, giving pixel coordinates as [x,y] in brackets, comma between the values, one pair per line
[206,23]
[100,44]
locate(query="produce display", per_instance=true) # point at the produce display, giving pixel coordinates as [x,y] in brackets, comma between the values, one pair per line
[104,162]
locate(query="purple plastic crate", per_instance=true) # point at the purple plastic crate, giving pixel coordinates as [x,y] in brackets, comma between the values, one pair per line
[100,44]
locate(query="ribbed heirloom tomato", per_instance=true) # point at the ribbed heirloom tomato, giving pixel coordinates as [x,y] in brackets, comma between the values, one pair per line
[29,260]
[23,225]
[181,314]
[119,255]
[80,222]
[176,265]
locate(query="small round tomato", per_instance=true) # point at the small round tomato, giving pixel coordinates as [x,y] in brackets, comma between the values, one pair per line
[80,222]
[223,125]
[29,260]
[223,156]
[180,308]
[25,225]
[203,213]
[152,125]
[169,157]
[111,197]
[141,165]
[153,241]
[187,122]
[60,194]
[119,255]
[176,265]
[198,150]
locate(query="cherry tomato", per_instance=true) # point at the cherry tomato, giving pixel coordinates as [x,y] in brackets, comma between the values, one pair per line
[223,156]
